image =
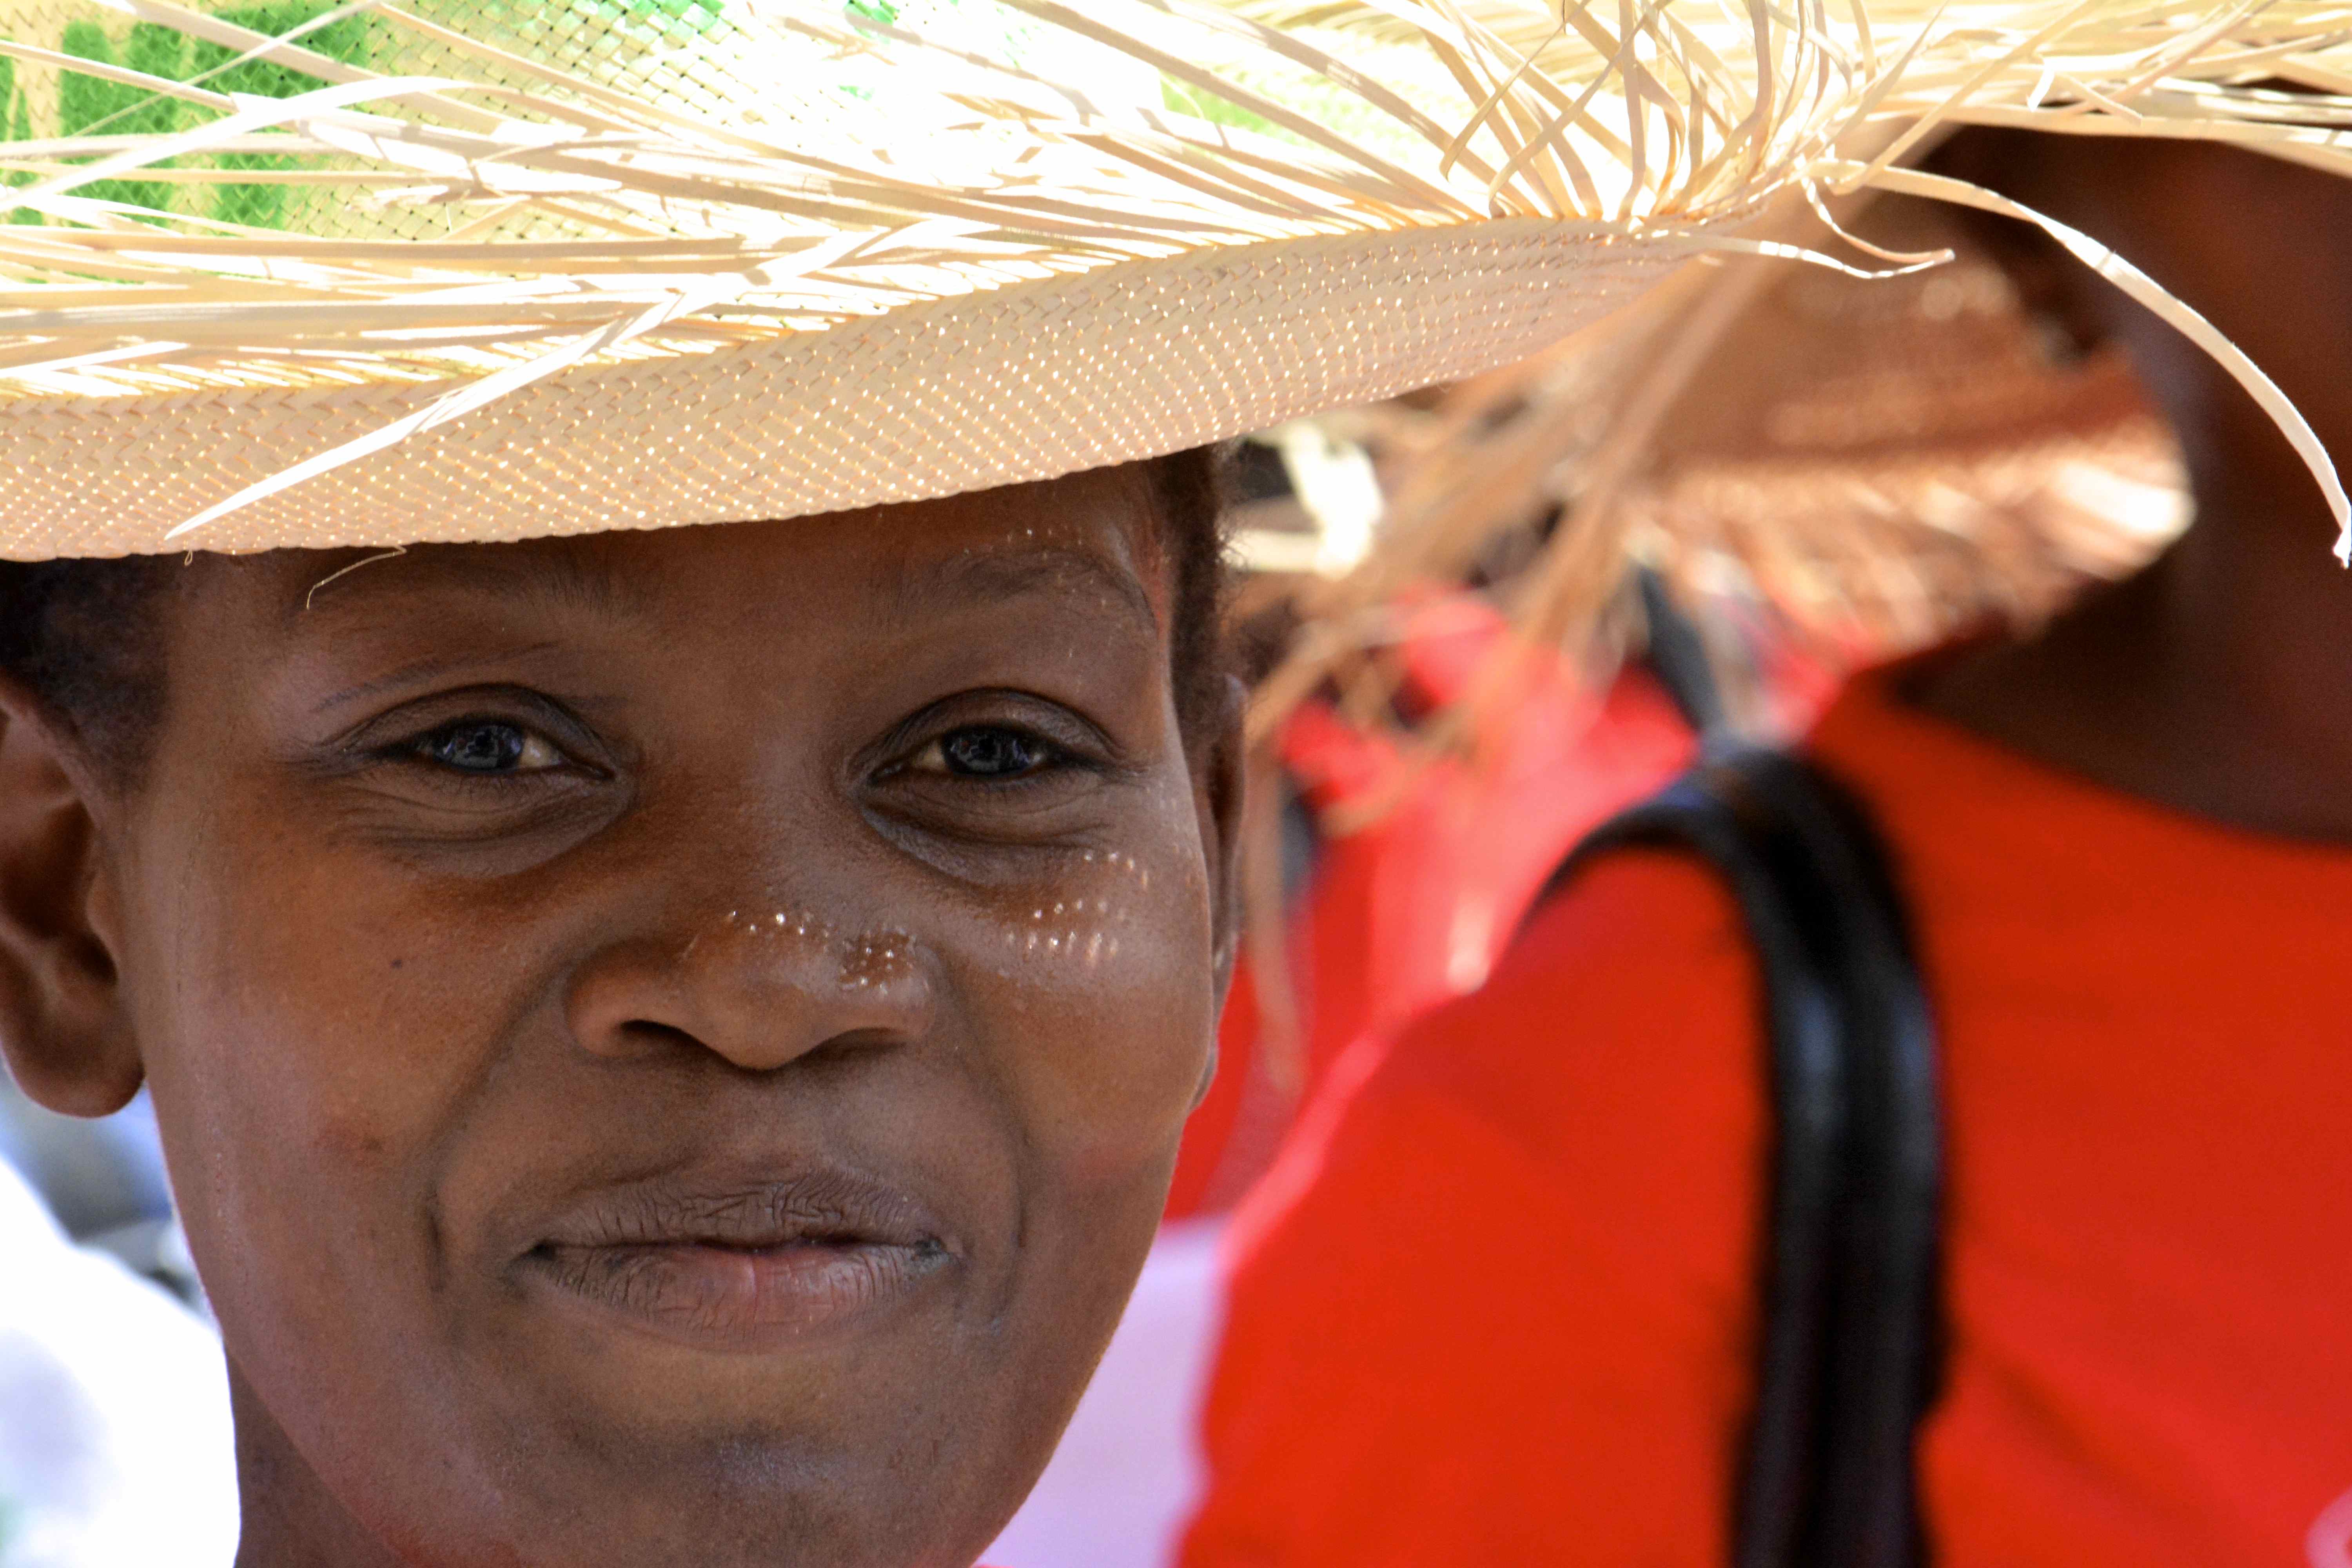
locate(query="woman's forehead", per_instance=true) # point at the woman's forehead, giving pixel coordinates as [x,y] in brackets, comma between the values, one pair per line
[1089,535]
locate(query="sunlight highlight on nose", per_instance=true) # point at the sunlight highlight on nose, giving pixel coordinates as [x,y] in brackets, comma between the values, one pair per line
[870,961]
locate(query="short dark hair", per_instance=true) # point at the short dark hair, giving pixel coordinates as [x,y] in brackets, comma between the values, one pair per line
[86,635]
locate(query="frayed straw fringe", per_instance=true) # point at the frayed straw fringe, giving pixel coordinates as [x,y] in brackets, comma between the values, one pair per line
[1895,462]
[674,199]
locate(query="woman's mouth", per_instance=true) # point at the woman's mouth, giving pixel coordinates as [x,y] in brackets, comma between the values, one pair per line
[740,1266]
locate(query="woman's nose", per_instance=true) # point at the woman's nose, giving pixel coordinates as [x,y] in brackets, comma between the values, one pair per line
[759,989]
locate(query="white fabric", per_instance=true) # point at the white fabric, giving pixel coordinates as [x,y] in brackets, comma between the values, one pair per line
[1129,1473]
[115,1444]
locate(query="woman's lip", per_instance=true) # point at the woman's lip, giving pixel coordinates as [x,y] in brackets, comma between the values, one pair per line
[736,1298]
[754,1211]
[739,1259]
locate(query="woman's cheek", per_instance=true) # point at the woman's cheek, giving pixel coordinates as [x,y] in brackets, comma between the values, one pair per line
[1110,1011]
[318,1023]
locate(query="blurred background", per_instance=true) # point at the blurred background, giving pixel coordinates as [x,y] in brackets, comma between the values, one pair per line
[1681,527]
[115,1446]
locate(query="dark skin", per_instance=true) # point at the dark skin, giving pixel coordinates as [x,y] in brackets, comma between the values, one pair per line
[671,1047]
[2217,681]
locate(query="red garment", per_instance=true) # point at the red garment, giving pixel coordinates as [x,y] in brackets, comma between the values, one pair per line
[1495,1303]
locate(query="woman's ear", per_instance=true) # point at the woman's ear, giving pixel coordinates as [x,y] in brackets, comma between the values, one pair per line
[1222,792]
[63,1028]
[1223,798]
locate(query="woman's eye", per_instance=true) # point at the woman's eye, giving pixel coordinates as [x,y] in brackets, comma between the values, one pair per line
[984,753]
[488,746]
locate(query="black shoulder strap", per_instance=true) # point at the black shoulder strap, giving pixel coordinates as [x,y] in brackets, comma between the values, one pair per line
[1849,1326]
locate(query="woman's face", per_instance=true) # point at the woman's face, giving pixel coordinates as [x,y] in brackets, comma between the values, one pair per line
[671,1045]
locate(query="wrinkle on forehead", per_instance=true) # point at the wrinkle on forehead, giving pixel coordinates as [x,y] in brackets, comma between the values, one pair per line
[1091,535]
[581,573]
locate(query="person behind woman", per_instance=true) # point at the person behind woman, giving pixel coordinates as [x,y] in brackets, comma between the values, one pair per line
[1513,1316]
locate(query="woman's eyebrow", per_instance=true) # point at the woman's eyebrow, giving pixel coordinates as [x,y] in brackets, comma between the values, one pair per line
[1005,574]
[424,670]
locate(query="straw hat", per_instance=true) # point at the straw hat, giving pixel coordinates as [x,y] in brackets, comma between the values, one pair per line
[1880,461]
[294,273]
[1931,457]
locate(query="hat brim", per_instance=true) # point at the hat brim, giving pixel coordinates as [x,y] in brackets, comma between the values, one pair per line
[1020,382]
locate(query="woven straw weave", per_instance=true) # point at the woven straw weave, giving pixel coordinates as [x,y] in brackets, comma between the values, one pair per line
[287,272]
[1017,383]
